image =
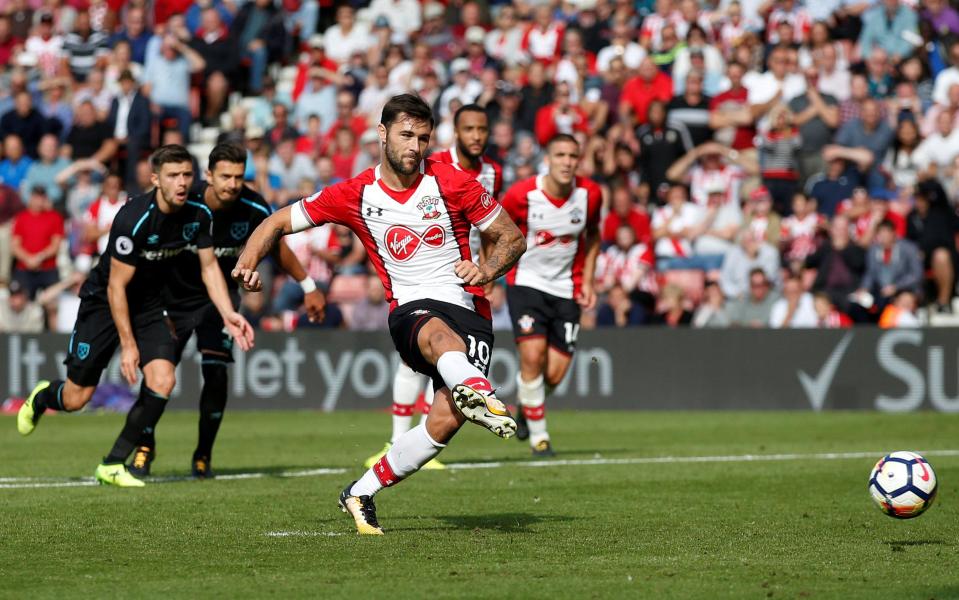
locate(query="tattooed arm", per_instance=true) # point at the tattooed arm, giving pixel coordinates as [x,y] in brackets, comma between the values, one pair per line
[261,242]
[503,243]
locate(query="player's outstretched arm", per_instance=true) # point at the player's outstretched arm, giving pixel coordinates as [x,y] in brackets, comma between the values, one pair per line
[505,244]
[239,328]
[261,242]
[120,275]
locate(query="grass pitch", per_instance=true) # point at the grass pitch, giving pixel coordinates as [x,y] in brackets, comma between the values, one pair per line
[707,528]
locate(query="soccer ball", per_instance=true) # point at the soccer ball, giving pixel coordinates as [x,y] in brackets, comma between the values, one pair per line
[903,485]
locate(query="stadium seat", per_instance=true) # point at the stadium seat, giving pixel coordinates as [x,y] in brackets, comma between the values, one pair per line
[347,288]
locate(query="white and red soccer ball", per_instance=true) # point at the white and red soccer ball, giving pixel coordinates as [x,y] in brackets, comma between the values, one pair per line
[903,485]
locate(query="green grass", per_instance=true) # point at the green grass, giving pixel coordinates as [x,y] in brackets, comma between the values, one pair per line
[789,529]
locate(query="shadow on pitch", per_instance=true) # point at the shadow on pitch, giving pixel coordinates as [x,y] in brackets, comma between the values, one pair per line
[902,543]
[513,522]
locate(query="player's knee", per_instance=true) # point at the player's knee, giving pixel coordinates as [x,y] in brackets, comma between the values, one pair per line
[75,398]
[441,341]
[553,378]
[162,382]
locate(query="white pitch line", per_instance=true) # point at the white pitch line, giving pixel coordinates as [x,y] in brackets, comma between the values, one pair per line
[281,534]
[13,483]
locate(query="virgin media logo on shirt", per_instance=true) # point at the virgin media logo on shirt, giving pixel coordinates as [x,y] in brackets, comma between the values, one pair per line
[546,238]
[402,242]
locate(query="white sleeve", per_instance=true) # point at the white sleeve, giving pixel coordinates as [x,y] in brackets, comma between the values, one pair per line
[299,220]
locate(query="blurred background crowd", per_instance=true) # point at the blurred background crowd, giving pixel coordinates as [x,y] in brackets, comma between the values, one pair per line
[764,163]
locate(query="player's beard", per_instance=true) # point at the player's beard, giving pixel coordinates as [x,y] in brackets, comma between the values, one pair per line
[396,162]
[463,151]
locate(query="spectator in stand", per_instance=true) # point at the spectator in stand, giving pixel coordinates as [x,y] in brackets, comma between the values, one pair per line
[750,254]
[759,217]
[837,183]
[833,76]
[89,138]
[892,26]
[45,47]
[119,62]
[712,310]
[800,231]
[10,207]
[827,315]
[343,153]
[929,121]
[795,309]
[214,44]
[166,81]
[627,264]
[290,169]
[26,122]
[674,231]
[404,15]
[346,116]
[317,98]
[15,165]
[130,122]
[816,114]
[44,170]
[698,55]
[943,18]
[674,312]
[900,162]
[878,74]
[134,33]
[621,46]
[9,43]
[619,310]
[96,92]
[504,42]
[99,216]
[869,132]
[661,145]
[625,211]
[840,264]
[729,114]
[543,36]
[463,87]
[84,48]
[372,312]
[18,314]
[281,126]
[649,85]
[260,35]
[901,312]
[36,236]
[892,265]
[778,84]
[347,36]
[690,111]
[932,226]
[755,307]
[934,156]
[778,157]
[561,116]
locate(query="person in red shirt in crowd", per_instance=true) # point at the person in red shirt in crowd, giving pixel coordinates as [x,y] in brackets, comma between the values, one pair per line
[345,117]
[316,61]
[544,37]
[343,153]
[729,114]
[640,91]
[829,316]
[623,211]
[8,41]
[37,233]
[866,211]
[560,116]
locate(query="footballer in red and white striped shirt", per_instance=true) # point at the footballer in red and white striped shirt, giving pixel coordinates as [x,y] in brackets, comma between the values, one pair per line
[413,217]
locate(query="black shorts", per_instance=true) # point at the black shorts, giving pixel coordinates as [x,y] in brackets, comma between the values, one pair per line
[211,335]
[407,320]
[536,314]
[95,339]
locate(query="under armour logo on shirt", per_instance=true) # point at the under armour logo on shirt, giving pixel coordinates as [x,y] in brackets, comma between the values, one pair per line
[371,209]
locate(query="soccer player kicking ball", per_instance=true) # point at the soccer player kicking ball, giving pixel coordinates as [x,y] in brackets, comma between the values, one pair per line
[553,281]
[413,217]
[471,132]
[237,211]
[122,304]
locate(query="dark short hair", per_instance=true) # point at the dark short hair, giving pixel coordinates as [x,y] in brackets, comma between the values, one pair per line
[409,104]
[473,108]
[887,224]
[231,153]
[171,153]
[561,137]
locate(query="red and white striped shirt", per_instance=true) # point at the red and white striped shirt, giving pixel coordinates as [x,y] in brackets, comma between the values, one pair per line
[489,175]
[413,237]
[799,235]
[101,213]
[632,269]
[555,230]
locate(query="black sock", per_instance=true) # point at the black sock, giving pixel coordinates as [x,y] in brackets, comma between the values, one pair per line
[142,418]
[50,397]
[212,404]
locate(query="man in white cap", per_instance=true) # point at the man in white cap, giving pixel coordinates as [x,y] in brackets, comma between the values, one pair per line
[464,87]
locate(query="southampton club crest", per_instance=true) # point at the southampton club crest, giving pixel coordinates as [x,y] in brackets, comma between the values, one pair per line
[239,230]
[428,205]
[576,216]
[190,230]
[526,324]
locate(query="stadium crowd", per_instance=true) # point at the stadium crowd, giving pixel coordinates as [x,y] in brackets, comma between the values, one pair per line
[764,163]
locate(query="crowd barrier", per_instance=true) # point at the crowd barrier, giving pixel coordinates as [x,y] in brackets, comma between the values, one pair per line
[639,369]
